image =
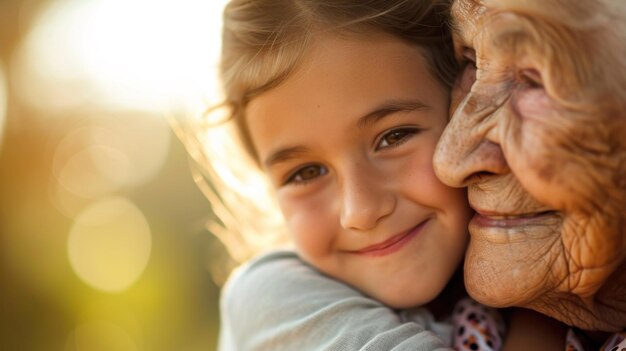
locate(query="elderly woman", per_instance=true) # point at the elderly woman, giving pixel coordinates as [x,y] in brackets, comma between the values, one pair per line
[538,137]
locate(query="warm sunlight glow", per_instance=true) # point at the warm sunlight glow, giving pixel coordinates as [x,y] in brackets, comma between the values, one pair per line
[109,244]
[251,192]
[3,101]
[102,232]
[100,336]
[142,54]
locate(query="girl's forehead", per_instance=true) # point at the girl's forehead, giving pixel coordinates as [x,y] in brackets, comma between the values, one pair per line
[341,82]
[334,61]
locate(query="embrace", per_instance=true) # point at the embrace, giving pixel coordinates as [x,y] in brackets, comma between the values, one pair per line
[407,141]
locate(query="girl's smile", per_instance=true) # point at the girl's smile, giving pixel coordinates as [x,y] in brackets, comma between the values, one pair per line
[393,244]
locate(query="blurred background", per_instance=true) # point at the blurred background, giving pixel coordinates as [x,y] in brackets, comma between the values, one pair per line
[103,243]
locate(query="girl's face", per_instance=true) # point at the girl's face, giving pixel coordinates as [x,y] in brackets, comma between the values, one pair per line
[348,142]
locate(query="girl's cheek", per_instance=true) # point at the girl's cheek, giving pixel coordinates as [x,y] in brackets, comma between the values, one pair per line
[310,224]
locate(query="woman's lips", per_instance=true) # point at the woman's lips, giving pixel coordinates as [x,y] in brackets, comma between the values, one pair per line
[393,244]
[494,219]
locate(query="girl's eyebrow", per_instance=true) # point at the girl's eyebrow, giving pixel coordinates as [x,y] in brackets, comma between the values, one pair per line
[284,155]
[378,113]
[389,108]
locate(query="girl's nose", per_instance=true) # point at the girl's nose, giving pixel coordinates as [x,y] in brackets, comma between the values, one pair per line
[365,201]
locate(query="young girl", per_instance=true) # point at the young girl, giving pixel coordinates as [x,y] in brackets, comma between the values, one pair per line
[340,103]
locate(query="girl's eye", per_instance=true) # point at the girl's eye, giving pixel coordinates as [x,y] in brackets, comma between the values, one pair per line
[396,137]
[306,174]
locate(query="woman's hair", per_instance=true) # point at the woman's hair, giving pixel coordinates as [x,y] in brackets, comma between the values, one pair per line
[263,42]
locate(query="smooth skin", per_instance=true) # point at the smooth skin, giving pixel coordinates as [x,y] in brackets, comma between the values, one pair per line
[348,142]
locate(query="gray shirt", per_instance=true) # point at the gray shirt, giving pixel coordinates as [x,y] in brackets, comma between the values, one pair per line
[278,302]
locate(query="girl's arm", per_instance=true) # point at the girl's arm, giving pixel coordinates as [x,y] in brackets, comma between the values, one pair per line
[280,303]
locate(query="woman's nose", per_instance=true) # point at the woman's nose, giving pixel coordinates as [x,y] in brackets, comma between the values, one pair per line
[365,200]
[469,148]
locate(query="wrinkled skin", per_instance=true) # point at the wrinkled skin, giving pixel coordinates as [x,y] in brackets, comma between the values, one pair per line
[539,141]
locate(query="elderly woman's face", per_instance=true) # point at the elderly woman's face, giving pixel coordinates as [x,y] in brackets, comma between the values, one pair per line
[545,176]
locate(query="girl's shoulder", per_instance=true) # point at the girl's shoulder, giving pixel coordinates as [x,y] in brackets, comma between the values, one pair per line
[275,269]
[280,278]
[279,302]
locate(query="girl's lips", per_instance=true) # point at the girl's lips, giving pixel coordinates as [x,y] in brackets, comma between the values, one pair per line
[393,244]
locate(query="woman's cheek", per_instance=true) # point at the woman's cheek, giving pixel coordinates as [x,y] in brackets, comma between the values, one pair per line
[539,155]
[533,104]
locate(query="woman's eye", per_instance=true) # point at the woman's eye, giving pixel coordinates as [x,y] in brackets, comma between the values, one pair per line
[306,173]
[395,137]
[531,78]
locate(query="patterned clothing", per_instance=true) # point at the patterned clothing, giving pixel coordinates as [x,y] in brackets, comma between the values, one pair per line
[477,327]
[617,342]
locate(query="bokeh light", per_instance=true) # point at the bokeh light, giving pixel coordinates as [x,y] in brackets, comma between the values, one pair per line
[76,168]
[109,244]
[110,154]
[142,54]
